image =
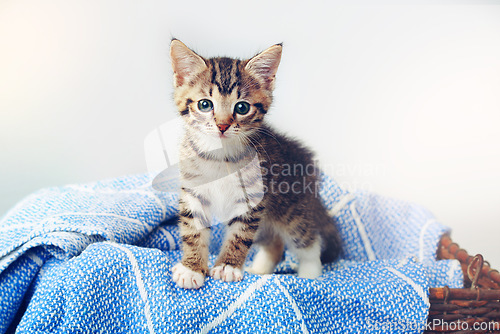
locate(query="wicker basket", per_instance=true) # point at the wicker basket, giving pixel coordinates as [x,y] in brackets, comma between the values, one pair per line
[474,309]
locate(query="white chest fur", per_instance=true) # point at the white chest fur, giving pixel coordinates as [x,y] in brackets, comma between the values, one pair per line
[224,190]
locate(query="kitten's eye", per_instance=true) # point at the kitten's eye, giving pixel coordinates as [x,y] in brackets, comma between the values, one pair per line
[205,105]
[242,108]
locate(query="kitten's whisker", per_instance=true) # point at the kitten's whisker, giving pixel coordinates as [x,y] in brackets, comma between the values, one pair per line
[267,132]
[259,137]
[249,139]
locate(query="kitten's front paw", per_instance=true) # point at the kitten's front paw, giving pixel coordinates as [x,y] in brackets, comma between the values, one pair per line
[310,270]
[187,278]
[226,273]
[262,264]
[257,271]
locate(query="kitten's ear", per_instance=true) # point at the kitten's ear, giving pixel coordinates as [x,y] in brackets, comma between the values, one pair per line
[185,62]
[265,64]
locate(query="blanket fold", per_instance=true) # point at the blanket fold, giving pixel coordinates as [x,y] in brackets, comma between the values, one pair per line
[98,256]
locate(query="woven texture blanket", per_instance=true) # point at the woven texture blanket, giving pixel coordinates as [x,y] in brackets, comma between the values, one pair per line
[98,258]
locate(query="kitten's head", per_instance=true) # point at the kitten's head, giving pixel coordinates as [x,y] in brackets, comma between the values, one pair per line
[223,97]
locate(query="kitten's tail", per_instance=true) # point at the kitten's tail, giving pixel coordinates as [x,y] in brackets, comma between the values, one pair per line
[331,242]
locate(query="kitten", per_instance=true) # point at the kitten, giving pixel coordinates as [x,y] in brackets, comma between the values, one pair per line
[261,184]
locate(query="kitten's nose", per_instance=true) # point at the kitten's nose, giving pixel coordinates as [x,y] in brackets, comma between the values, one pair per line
[223,127]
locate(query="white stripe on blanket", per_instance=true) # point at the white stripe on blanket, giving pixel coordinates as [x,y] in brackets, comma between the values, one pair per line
[140,284]
[237,303]
[362,232]
[298,314]
[410,282]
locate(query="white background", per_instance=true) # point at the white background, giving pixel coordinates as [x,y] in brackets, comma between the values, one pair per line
[399,99]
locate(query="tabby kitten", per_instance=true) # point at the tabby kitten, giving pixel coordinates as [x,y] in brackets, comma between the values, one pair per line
[261,184]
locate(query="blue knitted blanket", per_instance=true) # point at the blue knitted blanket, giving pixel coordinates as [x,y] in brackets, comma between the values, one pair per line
[98,258]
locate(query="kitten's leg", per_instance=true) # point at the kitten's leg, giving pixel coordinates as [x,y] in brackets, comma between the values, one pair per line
[239,239]
[190,272]
[303,239]
[310,265]
[268,256]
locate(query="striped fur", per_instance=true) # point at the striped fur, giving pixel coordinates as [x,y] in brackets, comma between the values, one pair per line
[229,164]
